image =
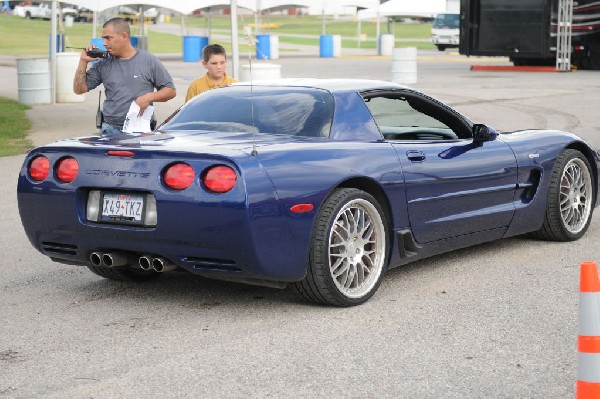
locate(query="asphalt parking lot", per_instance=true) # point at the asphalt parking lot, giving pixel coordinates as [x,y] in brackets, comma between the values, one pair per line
[497,320]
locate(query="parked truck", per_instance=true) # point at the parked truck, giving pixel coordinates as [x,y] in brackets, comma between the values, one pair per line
[41,10]
[526,30]
[445,28]
[444,31]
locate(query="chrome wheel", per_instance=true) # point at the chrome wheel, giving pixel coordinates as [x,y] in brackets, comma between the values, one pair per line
[349,249]
[570,200]
[575,195]
[356,248]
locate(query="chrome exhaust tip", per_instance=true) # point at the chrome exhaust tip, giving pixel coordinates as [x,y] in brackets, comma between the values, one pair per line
[96,258]
[161,265]
[145,262]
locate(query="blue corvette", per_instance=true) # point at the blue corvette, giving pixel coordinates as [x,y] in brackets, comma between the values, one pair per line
[323,184]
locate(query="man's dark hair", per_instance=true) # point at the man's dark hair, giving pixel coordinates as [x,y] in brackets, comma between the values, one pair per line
[212,49]
[119,25]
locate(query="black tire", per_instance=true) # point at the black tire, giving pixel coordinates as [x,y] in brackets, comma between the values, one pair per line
[570,201]
[349,249]
[441,47]
[137,275]
[27,15]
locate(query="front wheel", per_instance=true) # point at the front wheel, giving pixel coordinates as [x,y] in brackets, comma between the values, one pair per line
[570,200]
[348,250]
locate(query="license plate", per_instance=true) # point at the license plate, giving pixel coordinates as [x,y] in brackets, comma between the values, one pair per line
[122,207]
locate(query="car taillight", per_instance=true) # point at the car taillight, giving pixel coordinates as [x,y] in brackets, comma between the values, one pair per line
[67,169]
[178,176]
[39,168]
[219,179]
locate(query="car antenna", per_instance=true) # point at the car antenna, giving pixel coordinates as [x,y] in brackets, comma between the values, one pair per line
[251,44]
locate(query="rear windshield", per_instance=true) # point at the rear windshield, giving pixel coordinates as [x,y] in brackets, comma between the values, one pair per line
[451,21]
[271,110]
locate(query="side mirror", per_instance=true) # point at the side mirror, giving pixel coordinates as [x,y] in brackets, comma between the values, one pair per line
[483,133]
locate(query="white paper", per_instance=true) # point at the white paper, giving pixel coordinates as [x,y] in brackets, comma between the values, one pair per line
[135,123]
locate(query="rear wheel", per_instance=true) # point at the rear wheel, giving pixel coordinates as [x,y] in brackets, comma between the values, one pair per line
[348,251]
[123,274]
[441,47]
[570,200]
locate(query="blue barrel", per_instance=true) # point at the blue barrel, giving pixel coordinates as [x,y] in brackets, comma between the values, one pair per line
[191,49]
[263,47]
[98,42]
[139,42]
[203,43]
[60,43]
[326,46]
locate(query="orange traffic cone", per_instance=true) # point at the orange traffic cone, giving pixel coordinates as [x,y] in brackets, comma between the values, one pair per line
[588,346]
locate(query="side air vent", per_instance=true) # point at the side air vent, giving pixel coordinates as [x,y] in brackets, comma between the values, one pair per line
[225,265]
[59,248]
[530,187]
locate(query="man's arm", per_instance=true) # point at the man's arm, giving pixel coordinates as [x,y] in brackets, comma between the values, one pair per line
[164,94]
[80,81]
[161,96]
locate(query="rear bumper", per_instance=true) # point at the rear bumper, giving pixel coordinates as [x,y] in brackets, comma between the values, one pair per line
[244,233]
[211,242]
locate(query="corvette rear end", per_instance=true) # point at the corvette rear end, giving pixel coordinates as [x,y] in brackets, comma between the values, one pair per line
[117,206]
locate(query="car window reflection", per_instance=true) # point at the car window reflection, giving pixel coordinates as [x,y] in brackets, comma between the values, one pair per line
[266,110]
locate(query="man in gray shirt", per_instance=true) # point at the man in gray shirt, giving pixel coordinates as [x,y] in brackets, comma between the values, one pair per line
[128,75]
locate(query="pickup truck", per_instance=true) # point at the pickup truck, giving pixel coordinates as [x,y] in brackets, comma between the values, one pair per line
[42,10]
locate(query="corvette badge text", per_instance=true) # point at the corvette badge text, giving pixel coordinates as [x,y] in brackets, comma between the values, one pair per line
[117,173]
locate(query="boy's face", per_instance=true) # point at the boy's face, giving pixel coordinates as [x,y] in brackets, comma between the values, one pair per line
[216,66]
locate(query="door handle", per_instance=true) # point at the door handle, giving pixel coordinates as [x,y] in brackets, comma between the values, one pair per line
[415,156]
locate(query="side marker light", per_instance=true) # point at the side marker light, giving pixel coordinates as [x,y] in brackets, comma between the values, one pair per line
[302,208]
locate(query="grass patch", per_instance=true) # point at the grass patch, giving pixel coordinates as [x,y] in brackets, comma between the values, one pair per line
[14,126]
[306,29]
[352,43]
[309,25]
[32,37]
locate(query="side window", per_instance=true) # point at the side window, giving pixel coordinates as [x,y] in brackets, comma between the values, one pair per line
[401,118]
